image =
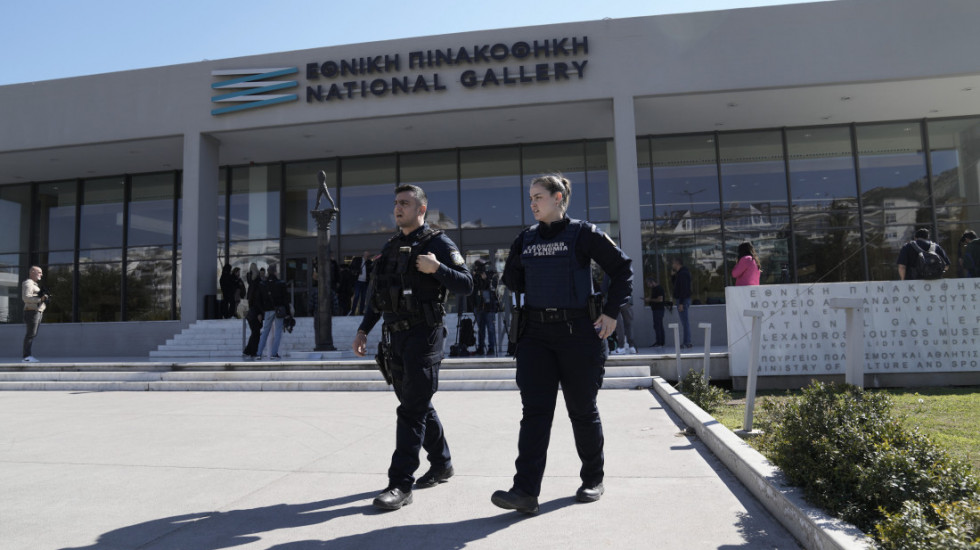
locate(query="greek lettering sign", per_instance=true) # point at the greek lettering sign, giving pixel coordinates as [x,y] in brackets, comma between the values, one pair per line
[909,327]
[481,66]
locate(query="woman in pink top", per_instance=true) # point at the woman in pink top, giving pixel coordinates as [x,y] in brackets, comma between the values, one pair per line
[747,270]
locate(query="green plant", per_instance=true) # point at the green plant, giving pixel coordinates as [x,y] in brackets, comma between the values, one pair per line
[703,394]
[946,526]
[851,457]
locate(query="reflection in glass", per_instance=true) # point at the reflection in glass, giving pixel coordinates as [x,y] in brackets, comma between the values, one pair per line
[752,169]
[825,207]
[255,248]
[15,217]
[702,254]
[254,208]
[151,210]
[597,165]
[771,243]
[12,266]
[99,292]
[685,178]
[302,185]
[644,176]
[955,183]
[149,284]
[895,191]
[56,224]
[366,195]
[58,280]
[101,220]
[491,187]
[435,173]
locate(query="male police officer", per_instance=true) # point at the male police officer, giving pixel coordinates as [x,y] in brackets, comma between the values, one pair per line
[408,286]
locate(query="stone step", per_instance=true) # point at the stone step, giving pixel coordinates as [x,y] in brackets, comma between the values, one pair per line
[612,373]
[467,379]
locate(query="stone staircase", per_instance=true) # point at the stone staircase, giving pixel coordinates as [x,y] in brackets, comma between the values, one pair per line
[360,375]
[222,339]
[206,356]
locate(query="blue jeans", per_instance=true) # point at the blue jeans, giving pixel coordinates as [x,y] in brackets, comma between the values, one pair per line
[487,321]
[685,323]
[360,298]
[270,319]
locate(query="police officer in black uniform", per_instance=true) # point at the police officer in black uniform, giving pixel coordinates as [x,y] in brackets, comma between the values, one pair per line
[563,338]
[408,286]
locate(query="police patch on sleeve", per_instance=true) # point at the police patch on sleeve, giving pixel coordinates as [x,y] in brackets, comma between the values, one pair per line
[457,258]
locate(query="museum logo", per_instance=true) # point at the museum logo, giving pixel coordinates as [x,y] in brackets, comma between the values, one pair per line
[251,89]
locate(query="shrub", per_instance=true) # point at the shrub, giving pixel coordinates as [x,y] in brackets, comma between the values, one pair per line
[947,526]
[850,456]
[703,394]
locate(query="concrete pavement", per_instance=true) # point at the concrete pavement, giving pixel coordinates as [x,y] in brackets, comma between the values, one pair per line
[297,471]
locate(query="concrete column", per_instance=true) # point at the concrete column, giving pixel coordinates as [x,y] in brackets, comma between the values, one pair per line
[622,170]
[200,225]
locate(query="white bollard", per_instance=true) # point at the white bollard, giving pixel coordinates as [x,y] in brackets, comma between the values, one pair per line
[707,348]
[677,348]
[756,316]
[854,341]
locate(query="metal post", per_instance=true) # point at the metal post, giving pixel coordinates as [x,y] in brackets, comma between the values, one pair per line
[677,348]
[756,316]
[707,349]
[854,341]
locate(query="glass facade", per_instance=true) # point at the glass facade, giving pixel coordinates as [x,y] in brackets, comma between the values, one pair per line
[820,204]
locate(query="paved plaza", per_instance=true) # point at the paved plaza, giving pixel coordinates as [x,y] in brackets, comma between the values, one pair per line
[298,471]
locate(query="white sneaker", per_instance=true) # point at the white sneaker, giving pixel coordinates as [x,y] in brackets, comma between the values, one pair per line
[619,351]
[30,359]
[631,350]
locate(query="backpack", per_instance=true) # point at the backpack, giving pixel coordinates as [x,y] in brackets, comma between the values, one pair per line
[467,336]
[928,265]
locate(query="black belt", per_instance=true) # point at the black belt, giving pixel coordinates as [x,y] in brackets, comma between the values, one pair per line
[405,324]
[554,315]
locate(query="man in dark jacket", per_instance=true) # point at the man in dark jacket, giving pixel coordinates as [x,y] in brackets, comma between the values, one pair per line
[275,304]
[682,297]
[910,257]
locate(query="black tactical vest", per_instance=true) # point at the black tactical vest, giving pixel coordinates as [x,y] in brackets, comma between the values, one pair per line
[553,277]
[397,286]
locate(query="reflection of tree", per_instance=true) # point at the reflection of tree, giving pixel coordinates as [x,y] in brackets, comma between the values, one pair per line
[58,281]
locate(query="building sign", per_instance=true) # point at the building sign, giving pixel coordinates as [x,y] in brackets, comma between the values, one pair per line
[909,327]
[251,88]
[474,67]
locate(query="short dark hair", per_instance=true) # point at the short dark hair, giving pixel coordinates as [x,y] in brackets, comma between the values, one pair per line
[416,192]
[922,233]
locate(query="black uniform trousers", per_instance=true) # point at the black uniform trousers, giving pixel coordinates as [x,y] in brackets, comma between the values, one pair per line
[569,353]
[416,356]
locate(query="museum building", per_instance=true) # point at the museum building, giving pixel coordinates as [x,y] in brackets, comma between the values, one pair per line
[824,133]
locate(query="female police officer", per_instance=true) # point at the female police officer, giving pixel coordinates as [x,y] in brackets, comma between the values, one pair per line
[561,342]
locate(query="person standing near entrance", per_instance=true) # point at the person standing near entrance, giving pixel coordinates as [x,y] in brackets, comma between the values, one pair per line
[275,304]
[562,339]
[35,302]
[682,296]
[255,313]
[659,306]
[362,269]
[485,307]
[409,284]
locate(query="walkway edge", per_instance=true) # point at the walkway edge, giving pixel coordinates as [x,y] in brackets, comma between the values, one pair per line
[811,526]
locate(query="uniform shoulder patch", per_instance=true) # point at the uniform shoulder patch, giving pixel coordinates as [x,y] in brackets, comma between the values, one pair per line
[457,258]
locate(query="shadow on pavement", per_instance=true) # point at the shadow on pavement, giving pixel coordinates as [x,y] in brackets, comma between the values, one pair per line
[216,530]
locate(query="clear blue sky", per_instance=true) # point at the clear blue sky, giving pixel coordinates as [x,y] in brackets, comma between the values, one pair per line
[51,39]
